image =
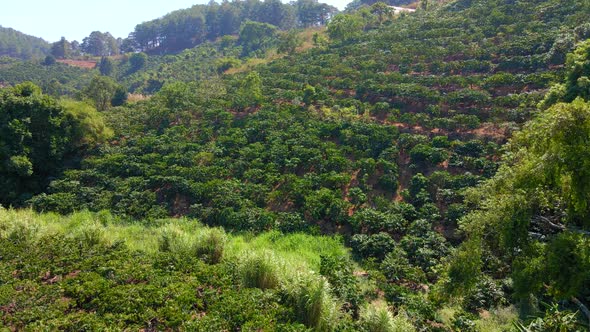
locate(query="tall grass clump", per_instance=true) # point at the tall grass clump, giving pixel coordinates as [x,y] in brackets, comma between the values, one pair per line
[206,244]
[377,318]
[174,240]
[210,245]
[314,306]
[91,234]
[260,270]
[16,227]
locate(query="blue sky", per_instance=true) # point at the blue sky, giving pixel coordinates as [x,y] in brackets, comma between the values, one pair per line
[76,19]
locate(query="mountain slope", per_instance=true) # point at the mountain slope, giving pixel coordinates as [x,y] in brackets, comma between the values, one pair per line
[374,133]
[19,45]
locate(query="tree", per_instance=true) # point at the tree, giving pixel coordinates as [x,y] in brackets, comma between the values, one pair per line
[75,47]
[61,49]
[255,36]
[382,10]
[137,61]
[49,60]
[312,13]
[100,44]
[578,79]
[106,66]
[101,91]
[36,135]
[344,27]
[289,41]
[534,212]
[88,126]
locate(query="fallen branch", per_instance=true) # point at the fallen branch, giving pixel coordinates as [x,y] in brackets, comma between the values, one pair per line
[582,307]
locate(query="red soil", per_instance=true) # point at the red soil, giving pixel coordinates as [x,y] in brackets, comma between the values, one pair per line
[86,64]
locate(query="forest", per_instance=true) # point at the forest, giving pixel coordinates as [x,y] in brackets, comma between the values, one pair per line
[19,45]
[260,166]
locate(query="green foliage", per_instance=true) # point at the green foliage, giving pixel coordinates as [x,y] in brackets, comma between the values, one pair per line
[313,305]
[57,79]
[186,28]
[535,209]
[466,266]
[256,37]
[377,245]
[249,92]
[102,90]
[260,271]
[36,135]
[339,273]
[310,142]
[49,60]
[19,45]
[378,318]
[288,41]
[344,27]
[397,268]
[61,49]
[120,275]
[100,44]
[211,245]
[89,127]
[138,61]
[105,66]
[554,320]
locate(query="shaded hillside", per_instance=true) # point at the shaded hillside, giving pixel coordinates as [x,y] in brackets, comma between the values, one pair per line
[19,45]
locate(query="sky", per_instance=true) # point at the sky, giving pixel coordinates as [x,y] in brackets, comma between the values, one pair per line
[76,19]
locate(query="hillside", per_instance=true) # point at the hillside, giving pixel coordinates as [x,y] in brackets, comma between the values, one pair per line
[189,27]
[57,79]
[444,148]
[19,45]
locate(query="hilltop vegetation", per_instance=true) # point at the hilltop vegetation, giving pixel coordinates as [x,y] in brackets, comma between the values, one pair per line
[186,28]
[445,148]
[19,45]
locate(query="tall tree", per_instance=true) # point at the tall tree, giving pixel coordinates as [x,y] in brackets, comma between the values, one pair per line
[61,49]
[256,36]
[100,44]
[106,66]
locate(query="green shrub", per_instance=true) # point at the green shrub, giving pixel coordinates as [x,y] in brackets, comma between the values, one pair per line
[338,270]
[376,245]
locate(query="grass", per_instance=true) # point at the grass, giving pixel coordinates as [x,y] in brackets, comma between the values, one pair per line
[300,251]
[306,37]
[283,264]
[261,270]
[296,249]
[314,306]
[377,317]
[496,320]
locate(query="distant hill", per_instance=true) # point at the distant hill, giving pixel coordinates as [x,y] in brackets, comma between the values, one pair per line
[16,44]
